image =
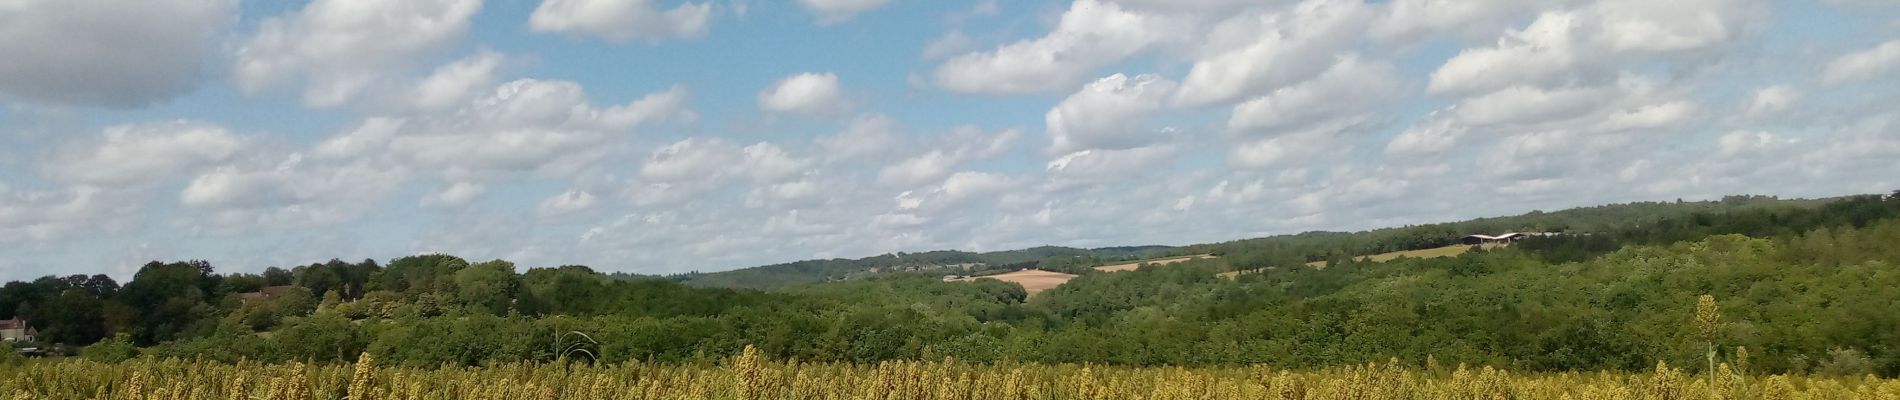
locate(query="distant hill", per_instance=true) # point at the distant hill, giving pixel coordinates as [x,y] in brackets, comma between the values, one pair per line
[941,262]
[1292,249]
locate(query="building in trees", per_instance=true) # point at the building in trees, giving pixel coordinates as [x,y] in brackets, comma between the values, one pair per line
[265,294]
[16,330]
[1488,239]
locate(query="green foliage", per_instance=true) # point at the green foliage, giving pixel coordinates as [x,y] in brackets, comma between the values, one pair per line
[1618,291]
[118,348]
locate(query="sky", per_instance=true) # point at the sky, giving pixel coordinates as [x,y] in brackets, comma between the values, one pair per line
[659,136]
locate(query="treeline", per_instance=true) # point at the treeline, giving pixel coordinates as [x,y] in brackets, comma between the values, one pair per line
[1585,222]
[938,263]
[1803,287]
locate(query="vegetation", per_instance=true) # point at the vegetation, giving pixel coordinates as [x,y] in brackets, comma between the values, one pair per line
[749,376]
[1731,293]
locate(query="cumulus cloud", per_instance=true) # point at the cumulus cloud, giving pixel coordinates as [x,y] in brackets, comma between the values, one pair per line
[566,203]
[836,11]
[1349,88]
[1277,49]
[621,20]
[1529,104]
[1865,64]
[869,135]
[1412,20]
[1771,100]
[521,126]
[141,153]
[38,216]
[456,82]
[1291,149]
[961,145]
[337,49]
[808,94]
[60,52]
[1090,35]
[1110,113]
[1590,42]
[456,195]
[293,192]
[1106,165]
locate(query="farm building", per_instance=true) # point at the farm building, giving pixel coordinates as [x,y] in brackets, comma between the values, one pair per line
[267,293]
[16,330]
[1488,239]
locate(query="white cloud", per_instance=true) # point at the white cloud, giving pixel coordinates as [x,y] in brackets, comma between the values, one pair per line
[621,20]
[1862,65]
[692,159]
[1291,149]
[337,49]
[1090,35]
[1414,20]
[1771,100]
[869,135]
[1589,43]
[520,126]
[1279,49]
[1670,26]
[952,42]
[568,202]
[836,11]
[1526,104]
[457,195]
[1110,113]
[293,192]
[39,216]
[709,162]
[1535,54]
[457,82]
[1100,165]
[962,144]
[1349,88]
[107,53]
[767,163]
[808,94]
[141,153]
[1436,135]
[918,169]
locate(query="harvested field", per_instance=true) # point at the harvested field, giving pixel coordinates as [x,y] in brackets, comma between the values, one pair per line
[1033,280]
[1447,251]
[1131,266]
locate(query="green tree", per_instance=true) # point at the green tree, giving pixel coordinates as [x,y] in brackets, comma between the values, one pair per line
[487,286]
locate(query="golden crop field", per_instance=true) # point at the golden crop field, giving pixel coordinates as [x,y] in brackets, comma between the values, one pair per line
[1131,266]
[1033,280]
[749,376]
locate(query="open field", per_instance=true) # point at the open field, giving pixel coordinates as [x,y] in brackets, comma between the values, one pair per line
[750,376]
[1131,266]
[1033,280]
[1447,251]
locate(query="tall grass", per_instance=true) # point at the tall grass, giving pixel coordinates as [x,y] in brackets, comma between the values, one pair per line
[749,376]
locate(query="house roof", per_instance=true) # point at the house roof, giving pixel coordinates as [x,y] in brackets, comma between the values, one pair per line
[265,293]
[1506,235]
[15,323]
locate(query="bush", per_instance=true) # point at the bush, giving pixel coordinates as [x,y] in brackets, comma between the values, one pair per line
[10,355]
[1845,362]
[117,349]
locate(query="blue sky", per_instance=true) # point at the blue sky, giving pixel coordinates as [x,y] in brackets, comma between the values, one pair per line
[657,136]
